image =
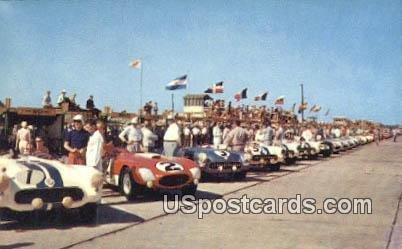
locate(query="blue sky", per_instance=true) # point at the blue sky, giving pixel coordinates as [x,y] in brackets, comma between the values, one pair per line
[348,54]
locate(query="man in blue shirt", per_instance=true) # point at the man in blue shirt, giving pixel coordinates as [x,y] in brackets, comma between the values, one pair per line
[76,142]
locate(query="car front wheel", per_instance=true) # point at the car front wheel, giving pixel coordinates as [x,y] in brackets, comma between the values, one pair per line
[128,187]
[275,167]
[240,175]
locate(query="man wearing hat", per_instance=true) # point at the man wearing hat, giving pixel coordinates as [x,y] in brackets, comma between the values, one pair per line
[172,138]
[24,137]
[62,98]
[132,136]
[76,142]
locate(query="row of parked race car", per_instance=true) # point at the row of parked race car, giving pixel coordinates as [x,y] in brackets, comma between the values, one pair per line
[31,183]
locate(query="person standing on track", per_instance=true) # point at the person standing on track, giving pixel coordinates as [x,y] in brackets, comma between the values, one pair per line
[76,142]
[172,138]
[134,136]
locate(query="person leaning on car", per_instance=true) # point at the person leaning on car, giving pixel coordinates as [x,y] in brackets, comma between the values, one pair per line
[76,142]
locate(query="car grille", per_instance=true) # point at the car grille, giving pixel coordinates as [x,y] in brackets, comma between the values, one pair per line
[224,165]
[263,157]
[173,180]
[49,195]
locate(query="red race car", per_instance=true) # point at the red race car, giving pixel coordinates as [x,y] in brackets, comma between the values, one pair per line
[135,172]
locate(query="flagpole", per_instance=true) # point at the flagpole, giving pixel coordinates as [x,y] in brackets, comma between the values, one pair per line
[173,102]
[142,68]
[302,102]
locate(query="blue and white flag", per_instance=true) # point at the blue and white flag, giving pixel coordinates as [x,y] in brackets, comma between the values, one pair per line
[178,83]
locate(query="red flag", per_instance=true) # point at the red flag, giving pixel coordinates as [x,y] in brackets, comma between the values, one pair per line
[241,95]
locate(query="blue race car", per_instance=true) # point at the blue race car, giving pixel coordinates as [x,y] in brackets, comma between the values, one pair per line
[216,162]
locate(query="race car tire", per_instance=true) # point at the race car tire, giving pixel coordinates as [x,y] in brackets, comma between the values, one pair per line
[290,161]
[326,153]
[189,189]
[275,167]
[89,213]
[128,187]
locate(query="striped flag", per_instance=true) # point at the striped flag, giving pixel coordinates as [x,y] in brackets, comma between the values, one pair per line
[312,108]
[315,108]
[280,100]
[178,83]
[135,63]
[216,88]
[261,97]
[241,95]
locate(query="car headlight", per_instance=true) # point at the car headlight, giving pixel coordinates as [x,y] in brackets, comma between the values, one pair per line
[146,174]
[202,158]
[196,172]
[97,181]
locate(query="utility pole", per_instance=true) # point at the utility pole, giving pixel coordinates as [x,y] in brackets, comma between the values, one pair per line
[302,102]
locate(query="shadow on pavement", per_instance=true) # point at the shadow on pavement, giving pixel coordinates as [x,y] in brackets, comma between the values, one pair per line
[16,245]
[57,219]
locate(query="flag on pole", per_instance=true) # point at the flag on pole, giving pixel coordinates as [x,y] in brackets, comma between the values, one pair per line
[280,100]
[178,83]
[317,108]
[241,95]
[216,88]
[135,63]
[327,112]
[312,108]
[261,97]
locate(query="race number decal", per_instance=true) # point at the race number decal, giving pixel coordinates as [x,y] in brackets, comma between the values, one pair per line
[256,147]
[169,166]
[222,153]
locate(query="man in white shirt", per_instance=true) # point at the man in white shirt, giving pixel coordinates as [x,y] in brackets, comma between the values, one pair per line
[47,100]
[95,147]
[187,136]
[336,132]
[279,134]
[23,141]
[172,138]
[149,138]
[196,135]
[225,132]
[62,97]
[217,135]
[307,134]
[132,136]
[265,134]
[204,134]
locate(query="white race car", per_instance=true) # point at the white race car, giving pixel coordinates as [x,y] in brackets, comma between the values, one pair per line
[32,183]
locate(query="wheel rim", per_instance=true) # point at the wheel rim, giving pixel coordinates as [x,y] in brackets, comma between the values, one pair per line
[126,183]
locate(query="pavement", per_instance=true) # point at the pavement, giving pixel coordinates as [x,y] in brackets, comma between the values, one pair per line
[366,172]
